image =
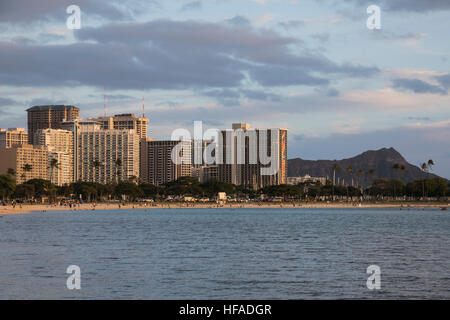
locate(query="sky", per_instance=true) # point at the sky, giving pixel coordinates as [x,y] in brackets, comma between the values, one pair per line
[311,66]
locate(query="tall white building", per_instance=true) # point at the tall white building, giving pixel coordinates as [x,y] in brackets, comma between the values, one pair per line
[60,146]
[104,155]
[124,121]
[13,137]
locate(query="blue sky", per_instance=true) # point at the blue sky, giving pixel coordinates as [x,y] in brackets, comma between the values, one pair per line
[311,66]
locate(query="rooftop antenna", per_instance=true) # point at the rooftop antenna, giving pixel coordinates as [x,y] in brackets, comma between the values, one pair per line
[143,105]
[104,101]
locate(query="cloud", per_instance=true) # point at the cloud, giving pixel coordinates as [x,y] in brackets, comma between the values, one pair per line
[444,80]
[168,54]
[26,12]
[418,118]
[389,35]
[417,86]
[322,37]
[193,5]
[239,21]
[8,102]
[420,6]
[226,97]
[291,24]
[232,97]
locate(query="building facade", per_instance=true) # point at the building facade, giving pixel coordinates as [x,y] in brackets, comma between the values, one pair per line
[254,158]
[76,126]
[107,156]
[60,146]
[306,178]
[13,137]
[49,117]
[27,161]
[157,166]
[125,121]
[206,173]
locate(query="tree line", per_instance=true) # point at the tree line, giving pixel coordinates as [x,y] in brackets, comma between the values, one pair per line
[131,190]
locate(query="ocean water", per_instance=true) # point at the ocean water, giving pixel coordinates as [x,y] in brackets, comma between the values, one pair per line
[295,253]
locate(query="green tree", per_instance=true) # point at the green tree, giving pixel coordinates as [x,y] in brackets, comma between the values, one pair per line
[7,186]
[396,169]
[95,165]
[212,187]
[53,165]
[118,164]
[11,172]
[149,190]
[42,187]
[24,191]
[283,190]
[335,169]
[349,170]
[426,167]
[129,189]
[183,186]
[360,176]
[26,168]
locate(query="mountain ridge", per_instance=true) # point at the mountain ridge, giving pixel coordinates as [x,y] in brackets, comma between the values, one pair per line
[382,161]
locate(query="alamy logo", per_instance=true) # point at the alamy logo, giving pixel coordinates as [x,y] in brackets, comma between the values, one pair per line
[237,146]
[374,280]
[74,20]
[74,280]
[374,20]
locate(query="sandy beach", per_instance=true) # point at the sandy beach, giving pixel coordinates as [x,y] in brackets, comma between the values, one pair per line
[23,209]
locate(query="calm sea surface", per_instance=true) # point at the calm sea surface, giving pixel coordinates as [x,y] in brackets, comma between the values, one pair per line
[226,254]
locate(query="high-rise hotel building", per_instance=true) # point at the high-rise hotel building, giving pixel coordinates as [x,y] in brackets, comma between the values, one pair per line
[255,158]
[27,161]
[13,137]
[104,155]
[157,166]
[60,146]
[49,117]
[125,121]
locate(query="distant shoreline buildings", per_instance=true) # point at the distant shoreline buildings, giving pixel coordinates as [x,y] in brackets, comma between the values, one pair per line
[61,147]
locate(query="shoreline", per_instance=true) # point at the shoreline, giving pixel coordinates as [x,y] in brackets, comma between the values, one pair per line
[24,209]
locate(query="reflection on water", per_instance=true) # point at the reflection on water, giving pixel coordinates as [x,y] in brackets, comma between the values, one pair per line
[226,254]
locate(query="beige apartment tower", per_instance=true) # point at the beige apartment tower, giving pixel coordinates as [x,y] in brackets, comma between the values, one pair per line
[49,117]
[60,146]
[27,161]
[157,166]
[13,137]
[107,156]
[125,121]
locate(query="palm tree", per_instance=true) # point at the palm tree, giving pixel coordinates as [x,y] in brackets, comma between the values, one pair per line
[95,166]
[53,165]
[426,167]
[430,164]
[26,168]
[118,163]
[335,168]
[349,170]
[396,167]
[371,173]
[360,175]
[133,179]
